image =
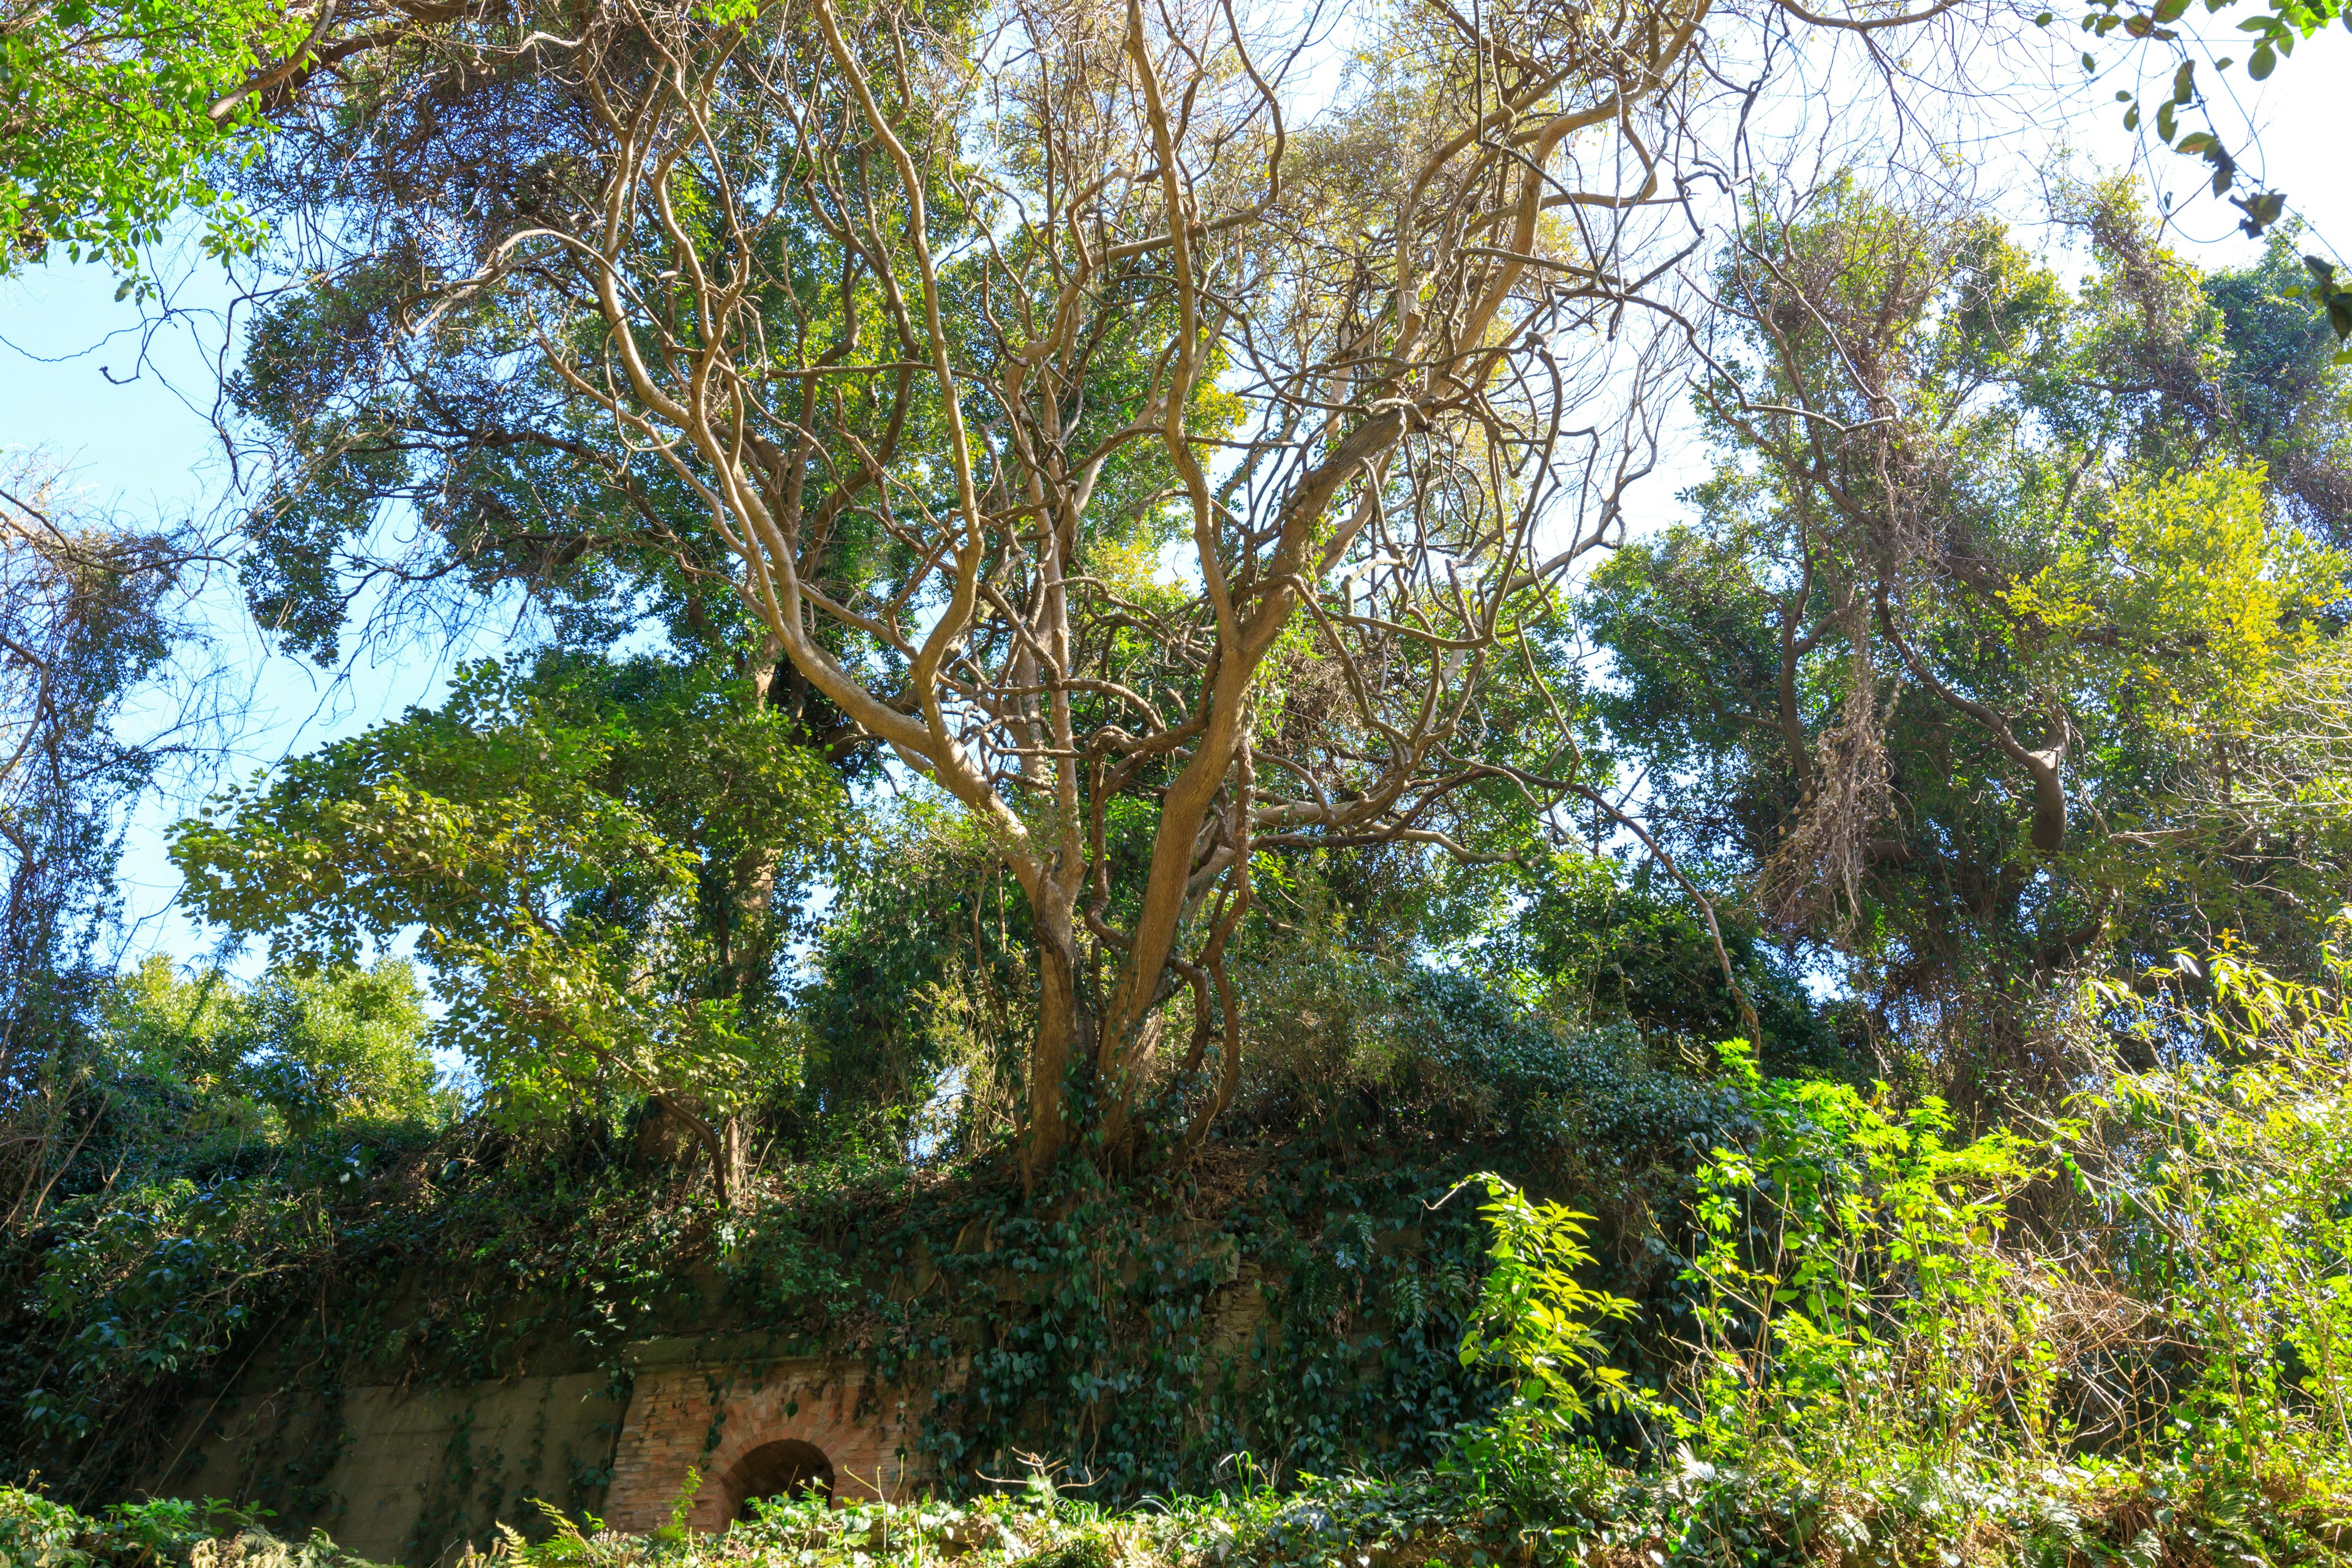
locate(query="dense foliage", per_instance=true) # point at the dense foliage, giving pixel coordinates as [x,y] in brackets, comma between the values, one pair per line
[116,116]
[148,1278]
[2124,1339]
[1976,698]
[746,1020]
[1090,803]
[604,859]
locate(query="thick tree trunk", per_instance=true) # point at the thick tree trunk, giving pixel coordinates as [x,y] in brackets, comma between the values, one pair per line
[1063,1027]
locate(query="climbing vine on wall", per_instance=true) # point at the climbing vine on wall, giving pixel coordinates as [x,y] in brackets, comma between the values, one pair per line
[1295,1295]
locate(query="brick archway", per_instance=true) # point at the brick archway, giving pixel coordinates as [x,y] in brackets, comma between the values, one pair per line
[720,1418]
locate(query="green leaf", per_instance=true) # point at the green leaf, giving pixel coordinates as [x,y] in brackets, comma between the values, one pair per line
[109,130]
[2263,63]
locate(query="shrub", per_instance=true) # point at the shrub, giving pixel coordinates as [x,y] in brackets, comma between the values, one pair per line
[1536,1321]
[2124,1335]
[37,1532]
[1858,1300]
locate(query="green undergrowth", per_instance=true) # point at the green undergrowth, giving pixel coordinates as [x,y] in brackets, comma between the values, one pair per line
[2121,1333]
[1298,1293]
[2181,1513]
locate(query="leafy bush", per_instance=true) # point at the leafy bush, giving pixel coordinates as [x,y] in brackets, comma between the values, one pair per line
[2224,1179]
[37,1532]
[1536,1320]
[2125,1336]
[1858,1302]
[2171,1254]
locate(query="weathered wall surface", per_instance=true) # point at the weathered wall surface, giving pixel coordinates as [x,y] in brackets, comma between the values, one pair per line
[411,1475]
[416,1474]
[417,1470]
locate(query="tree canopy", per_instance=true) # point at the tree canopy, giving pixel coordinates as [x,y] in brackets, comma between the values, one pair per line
[603,859]
[1032,414]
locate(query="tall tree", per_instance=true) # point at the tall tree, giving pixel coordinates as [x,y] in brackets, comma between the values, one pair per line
[604,859]
[1986,582]
[86,615]
[1066,420]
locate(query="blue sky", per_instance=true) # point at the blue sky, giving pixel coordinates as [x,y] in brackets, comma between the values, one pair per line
[125,403]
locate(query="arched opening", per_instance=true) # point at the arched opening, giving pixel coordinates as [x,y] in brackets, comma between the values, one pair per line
[784,1468]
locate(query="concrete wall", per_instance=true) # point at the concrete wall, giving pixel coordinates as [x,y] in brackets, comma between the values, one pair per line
[410,1475]
[414,1474]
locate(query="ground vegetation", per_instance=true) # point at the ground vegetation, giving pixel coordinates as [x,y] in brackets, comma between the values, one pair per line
[1903,1342]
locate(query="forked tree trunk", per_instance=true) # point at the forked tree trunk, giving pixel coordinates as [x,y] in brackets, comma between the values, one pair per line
[722,1146]
[1407,353]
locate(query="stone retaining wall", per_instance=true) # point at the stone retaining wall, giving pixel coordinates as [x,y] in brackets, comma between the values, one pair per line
[418,1475]
[407,1474]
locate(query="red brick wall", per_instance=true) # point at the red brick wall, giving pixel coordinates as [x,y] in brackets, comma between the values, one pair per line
[860,1427]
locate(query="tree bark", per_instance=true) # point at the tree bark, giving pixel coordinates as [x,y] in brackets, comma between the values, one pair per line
[1064,1025]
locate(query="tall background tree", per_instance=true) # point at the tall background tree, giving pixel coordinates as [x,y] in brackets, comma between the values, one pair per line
[1982,593]
[90,612]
